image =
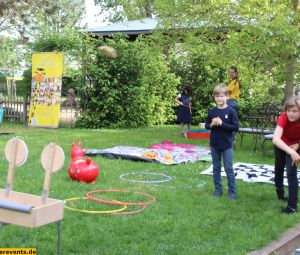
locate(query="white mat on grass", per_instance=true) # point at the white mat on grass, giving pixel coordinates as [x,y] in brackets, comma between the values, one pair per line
[252,173]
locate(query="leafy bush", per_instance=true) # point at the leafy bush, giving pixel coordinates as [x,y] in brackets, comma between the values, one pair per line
[193,69]
[133,90]
[204,65]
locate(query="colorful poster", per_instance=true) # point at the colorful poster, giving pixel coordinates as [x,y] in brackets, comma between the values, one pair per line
[46,85]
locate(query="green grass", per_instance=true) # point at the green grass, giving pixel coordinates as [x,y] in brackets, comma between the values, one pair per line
[182,221]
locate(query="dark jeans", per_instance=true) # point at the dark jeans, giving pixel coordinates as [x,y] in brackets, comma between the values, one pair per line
[217,164]
[282,159]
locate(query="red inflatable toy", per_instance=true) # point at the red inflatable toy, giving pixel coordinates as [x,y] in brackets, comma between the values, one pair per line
[81,169]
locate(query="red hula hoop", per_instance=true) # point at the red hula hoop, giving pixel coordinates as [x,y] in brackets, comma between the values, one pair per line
[88,195]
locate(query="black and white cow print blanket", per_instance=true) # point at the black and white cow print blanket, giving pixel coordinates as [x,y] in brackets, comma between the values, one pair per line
[252,173]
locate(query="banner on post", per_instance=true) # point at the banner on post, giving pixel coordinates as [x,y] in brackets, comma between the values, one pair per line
[46,86]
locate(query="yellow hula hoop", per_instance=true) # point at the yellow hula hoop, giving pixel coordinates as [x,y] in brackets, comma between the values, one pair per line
[123,208]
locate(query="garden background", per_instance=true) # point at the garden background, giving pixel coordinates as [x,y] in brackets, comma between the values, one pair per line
[186,218]
[129,100]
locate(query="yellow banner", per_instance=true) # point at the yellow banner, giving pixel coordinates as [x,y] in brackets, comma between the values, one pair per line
[46,85]
[18,251]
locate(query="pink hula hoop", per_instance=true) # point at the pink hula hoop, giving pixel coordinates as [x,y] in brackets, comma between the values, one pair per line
[90,197]
[130,212]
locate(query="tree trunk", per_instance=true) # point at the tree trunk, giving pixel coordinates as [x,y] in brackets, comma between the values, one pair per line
[290,79]
[296,4]
[291,64]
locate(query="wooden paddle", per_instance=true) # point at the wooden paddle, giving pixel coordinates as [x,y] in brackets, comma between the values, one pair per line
[16,153]
[52,160]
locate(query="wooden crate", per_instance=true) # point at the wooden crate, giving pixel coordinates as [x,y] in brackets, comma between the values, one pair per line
[41,214]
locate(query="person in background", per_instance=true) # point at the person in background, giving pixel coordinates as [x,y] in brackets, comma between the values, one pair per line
[184,114]
[222,120]
[234,87]
[286,139]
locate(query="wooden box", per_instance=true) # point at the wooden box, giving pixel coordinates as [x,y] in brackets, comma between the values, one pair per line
[41,214]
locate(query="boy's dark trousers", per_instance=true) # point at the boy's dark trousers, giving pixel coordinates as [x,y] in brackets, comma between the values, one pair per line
[282,160]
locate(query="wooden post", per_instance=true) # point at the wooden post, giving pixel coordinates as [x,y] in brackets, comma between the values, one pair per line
[24,109]
[12,166]
[49,168]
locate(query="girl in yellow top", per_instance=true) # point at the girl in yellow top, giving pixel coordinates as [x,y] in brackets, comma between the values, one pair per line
[234,88]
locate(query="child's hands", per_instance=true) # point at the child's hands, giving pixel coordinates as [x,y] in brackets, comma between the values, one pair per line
[219,121]
[216,122]
[295,146]
[213,122]
[295,157]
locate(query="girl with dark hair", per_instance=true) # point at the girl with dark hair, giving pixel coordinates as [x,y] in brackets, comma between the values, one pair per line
[184,114]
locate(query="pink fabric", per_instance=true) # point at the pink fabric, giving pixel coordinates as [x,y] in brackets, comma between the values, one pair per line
[166,145]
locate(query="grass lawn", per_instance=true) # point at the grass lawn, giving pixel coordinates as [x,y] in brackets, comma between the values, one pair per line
[182,221]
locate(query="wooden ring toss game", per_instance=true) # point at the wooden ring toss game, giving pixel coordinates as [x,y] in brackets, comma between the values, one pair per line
[29,210]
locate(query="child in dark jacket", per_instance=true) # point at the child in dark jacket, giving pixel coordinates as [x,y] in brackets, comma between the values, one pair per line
[222,120]
[184,114]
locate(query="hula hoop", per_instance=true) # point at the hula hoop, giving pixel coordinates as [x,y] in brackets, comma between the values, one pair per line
[167,177]
[200,185]
[131,212]
[90,211]
[89,196]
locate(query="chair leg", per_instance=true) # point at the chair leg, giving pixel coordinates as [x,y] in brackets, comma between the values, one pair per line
[263,145]
[241,135]
[255,142]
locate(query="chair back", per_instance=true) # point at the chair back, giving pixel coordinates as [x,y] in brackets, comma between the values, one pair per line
[272,113]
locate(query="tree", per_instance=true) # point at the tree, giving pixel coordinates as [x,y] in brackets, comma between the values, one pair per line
[262,33]
[64,13]
[120,10]
[49,25]
[12,56]
[26,16]
[17,14]
[265,33]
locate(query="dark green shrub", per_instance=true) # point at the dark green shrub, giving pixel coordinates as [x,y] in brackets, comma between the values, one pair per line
[133,90]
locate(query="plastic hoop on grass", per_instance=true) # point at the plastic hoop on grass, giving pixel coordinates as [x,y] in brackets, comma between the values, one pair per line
[131,212]
[200,185]
[89,196]
[91,211]
[166,177]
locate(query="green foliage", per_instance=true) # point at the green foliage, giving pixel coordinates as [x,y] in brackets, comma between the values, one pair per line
[258,35]
[24,86]
[25,18]
[12,55]
[74,45]
[49,40]
[193,67]
[135,89]
[120,10]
